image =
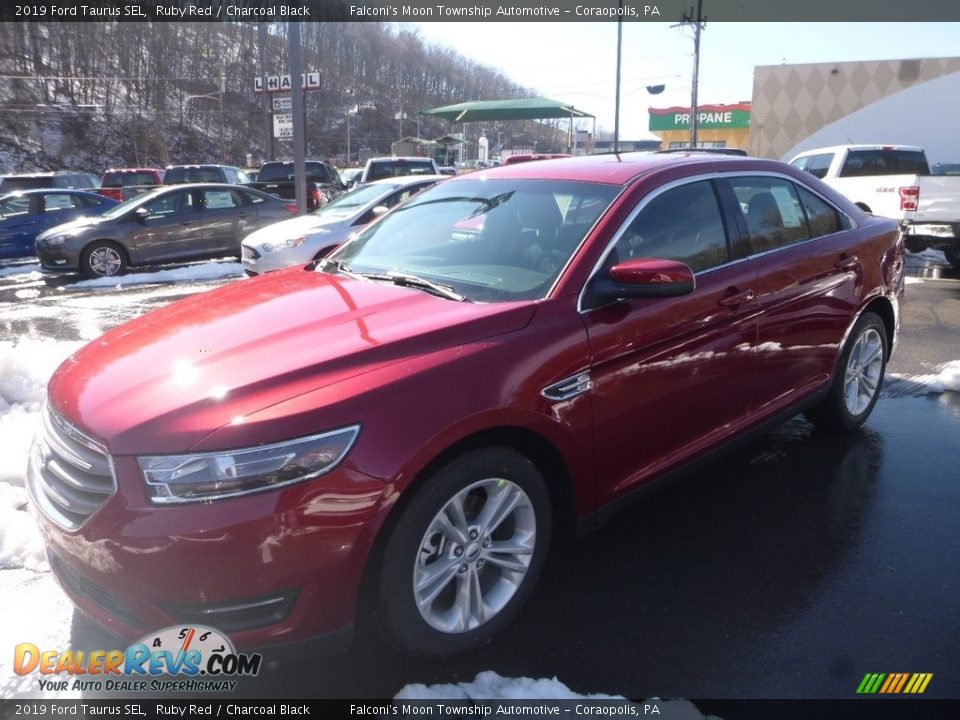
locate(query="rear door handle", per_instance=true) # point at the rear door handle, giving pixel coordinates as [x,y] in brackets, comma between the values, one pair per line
[847,262]
[734,299]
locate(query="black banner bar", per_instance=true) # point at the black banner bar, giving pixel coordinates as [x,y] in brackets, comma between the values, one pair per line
[203,709]
[670,11]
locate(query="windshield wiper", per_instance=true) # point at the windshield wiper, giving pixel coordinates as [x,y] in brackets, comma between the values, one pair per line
[397,278]
[413,281]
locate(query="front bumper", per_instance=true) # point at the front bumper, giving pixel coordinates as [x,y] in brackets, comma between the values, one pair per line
[268,569]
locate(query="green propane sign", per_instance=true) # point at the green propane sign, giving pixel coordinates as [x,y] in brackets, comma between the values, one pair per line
[709,117]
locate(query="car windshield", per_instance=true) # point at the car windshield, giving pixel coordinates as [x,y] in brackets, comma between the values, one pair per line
[350,202]
[134,202]
[490,240]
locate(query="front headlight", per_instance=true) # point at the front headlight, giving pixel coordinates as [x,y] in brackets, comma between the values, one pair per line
[211,476]
[274,245]
[53,240]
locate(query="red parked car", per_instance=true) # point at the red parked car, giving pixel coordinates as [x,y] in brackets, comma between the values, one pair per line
[115,180]
[396,433]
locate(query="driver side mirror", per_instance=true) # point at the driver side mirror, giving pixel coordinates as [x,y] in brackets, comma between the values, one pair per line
[380,210]
[142,214]
[643,278]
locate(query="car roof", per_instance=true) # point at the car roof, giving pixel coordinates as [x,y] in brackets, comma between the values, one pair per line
[407,179]
[618,169]
[132,170]
[58,191]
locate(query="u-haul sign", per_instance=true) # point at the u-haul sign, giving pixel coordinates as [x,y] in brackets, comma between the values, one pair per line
[283,83]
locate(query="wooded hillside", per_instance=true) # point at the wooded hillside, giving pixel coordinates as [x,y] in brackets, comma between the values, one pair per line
[91,95]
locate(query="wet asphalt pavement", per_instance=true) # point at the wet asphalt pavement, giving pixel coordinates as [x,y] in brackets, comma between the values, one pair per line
[789,569]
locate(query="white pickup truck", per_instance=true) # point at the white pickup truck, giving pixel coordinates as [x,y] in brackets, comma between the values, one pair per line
[894,181]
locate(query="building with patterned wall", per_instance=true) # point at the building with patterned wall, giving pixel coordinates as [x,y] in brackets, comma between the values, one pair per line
[903,102]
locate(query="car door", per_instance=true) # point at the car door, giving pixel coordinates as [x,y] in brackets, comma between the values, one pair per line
[20,222]
[226,220]
[672,376]
[807,285]
[170,231]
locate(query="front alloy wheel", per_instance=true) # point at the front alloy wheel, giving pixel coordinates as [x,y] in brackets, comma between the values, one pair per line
[474,555]
[103,260]
[465,553]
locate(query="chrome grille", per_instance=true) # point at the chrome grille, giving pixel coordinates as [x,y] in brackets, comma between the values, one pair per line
[249,253]
[70,475]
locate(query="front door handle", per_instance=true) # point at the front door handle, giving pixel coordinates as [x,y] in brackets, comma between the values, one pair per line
[734,298]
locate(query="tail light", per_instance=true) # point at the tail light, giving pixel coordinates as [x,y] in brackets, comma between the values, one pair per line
[292,207]
[909,198]
[317,197]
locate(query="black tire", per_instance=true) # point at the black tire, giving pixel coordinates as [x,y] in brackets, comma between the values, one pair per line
[103,258]
[953,257]
[850,401]
[417,549]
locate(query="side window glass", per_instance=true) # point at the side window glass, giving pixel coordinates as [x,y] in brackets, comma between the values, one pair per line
[683,224]
[220,200]
[55,202]
[171,205]
[818,165]
[772,212]
[822,218]
[253,199]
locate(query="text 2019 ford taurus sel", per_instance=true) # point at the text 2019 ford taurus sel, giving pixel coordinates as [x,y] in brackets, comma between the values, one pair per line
[405,426]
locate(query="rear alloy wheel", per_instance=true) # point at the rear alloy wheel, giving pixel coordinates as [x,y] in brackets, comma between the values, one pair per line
[465,554]
[859,377]
[103,259]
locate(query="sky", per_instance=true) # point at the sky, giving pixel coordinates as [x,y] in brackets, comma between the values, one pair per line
[575,62]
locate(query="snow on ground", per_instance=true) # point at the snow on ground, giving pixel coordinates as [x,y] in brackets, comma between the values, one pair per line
[27,583]
[216,270]
[25,367]
[930,254]
[946,379]
[30,269]
[488,685]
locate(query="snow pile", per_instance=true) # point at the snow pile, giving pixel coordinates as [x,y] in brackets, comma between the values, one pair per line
[30,271]
[489,685]
[25,368]
[947,379]
[217,270]
[20,542]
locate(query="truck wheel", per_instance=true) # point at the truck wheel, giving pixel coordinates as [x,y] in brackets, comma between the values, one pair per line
[953,257]
[857,380]
[465,554]
[102,258]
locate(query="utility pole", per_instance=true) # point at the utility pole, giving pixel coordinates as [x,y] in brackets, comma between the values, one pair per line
[266,99]
[299,158]
[698,24]
[616,113]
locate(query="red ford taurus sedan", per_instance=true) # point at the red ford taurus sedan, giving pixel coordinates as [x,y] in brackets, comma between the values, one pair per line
[394,434]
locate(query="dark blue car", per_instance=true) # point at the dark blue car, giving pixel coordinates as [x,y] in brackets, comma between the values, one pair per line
[27,213]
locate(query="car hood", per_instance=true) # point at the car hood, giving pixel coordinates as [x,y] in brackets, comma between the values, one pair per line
[163,382]
[74,226]
[295,227]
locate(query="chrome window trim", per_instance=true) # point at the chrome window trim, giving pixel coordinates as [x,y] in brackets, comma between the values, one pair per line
[699,178]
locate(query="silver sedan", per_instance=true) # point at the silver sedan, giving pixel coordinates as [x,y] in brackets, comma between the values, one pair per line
[301,240]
